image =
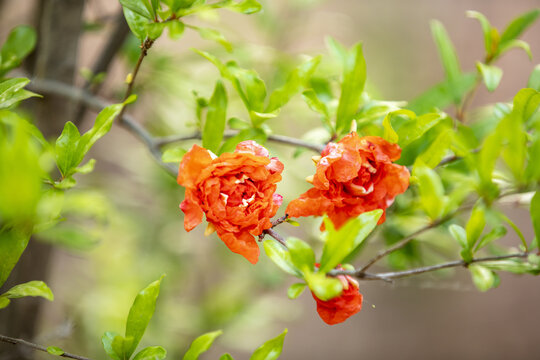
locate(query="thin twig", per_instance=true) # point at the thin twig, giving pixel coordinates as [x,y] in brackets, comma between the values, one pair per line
[400,244]
[401,274]
[271,232]
[15,341]
[318,148]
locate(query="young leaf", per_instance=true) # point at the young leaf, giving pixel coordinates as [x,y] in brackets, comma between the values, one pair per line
[122,346]
[354,79]
[244,6]
[475,225]
[67,156]
[213,35]
[487,29]
[281,257]
[136,22]
[302,255]
[173,155]
[314,103]
[271,349]
[19,43]
[518,25]
[460,235]
[214,125]
[4,302]
[432,196]
[295,290]
[176,29]
[341,243]
[55,350]
[12,244]
[11,92]
[438,149]
[495,233]
[151,353]
[201,344]
[31,288]
[226,357]
[491,75]
[483,278]
[140,314]
[325,288]
[107,340]
[534,79]
[296,81]
[137,7]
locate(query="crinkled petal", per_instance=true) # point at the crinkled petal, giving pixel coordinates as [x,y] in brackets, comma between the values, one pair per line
[383,148]
[251,147]
[193,213]
[242,243]
[339,309]
[193,162]
[310,203]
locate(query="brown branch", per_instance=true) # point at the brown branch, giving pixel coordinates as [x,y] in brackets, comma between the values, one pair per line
[318,148]
[15,341]
[386,276]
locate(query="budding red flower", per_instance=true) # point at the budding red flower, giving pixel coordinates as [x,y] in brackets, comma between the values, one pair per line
[236,191]
[353,176]
[339,309]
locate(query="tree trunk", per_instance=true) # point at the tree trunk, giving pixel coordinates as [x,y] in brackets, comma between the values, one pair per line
[59,27]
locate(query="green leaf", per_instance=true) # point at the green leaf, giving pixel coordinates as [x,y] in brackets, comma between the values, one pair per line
[490,74]
[534,79]
[176,29]
[137,7]
[302,255]
[487,29]
[216,117]
[459,234]
[173,155]
[432,197]
[244,6]
[389,132]
[448,56]
[295,290]
[86,168]
[281,257]
[354,79]
[483,278]
[11,91]
[535,213]
[296,81]
[71,236]
[101,127]
[4,302]
[19,43]
[107,340]
[336,49]
[12,244]
[271,349]
[136,22]
[443,94]
[315,104]
[122,346]
[67,155]
[341,243]
[475,225]
[487,157]
[31,288]
[325,288]
[151,353]
[413,129]
[433,155]
[525,104]
[518,25]
[213,35]
[55,350]
[201,344]
[237,124]
[140,314]
[513,44]
[513,266]
[495,233]
[514,227]
[154,30]
[226,357]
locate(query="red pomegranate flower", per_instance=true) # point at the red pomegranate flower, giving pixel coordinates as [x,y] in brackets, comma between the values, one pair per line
[236,191]
[353,176]
[339,309]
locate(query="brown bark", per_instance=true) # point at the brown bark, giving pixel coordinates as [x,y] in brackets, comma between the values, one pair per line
[59,26]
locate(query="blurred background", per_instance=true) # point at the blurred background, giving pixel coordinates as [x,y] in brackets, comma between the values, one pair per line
[124,228]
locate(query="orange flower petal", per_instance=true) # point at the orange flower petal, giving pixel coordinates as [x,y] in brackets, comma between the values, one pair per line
[242,243]
[193,162]
[193,213]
